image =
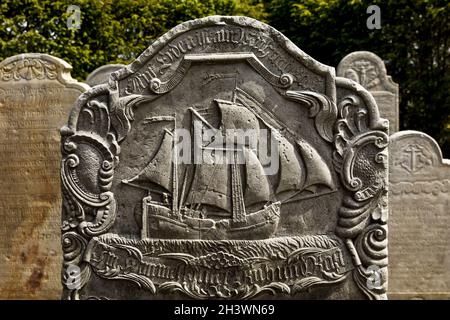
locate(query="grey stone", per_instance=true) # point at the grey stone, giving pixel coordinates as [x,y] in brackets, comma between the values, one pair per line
[306,220]
[101,74]
[369,70]
[419,201]
[36,95]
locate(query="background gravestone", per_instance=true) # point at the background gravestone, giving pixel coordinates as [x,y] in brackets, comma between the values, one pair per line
[419,200]
[36,93]
[143,222]
[101,74]
[369,70]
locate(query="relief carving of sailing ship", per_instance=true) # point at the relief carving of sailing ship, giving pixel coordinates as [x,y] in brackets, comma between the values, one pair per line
[220,199]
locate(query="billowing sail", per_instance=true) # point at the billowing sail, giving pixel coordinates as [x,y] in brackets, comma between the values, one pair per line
[297,177]
[239,118]
[291,175]
[210,184]
[317,171]
[159,170]
[257,189]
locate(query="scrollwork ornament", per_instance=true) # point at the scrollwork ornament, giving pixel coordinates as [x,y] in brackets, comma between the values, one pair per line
[371,274]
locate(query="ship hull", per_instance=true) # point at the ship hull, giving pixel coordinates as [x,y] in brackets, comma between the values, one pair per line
[160,222]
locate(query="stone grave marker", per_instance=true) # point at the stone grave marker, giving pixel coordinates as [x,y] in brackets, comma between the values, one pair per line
[369,70]
[419,200]
[223,163]
[36,94]
[101,74]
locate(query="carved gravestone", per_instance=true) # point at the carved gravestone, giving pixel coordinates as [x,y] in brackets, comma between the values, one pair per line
[36,95]
[101,74]
[369,70]
[225,163]
[419,200]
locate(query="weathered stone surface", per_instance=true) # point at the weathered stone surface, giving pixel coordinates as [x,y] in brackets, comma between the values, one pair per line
[305,221]
[101,74]
[36,94]
[369,70]
[419,201]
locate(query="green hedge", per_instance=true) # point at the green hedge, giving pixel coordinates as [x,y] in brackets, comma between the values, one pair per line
[414,39]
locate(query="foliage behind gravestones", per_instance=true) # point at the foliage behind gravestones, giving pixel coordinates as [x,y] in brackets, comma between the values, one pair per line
[414,39]
[112,31]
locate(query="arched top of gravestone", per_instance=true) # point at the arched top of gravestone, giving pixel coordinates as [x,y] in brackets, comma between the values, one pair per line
[36,67]
[162,65]
[101,74]
[367,69]
[415,154]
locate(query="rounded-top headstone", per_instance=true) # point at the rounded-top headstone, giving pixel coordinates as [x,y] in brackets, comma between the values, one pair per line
[101,74]
[36,95]
[369,70]
[419,199]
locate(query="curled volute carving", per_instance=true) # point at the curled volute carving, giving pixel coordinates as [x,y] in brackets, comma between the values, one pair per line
[90,154]
[361,160]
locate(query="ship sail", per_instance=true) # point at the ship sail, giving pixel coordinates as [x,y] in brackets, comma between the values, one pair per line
[237,117]
[257,189]
[301,166]
[291,175]
[159,170]
[317,171]
[210,183]
[210,186]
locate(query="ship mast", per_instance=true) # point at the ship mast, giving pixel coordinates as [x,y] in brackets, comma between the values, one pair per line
[175,169]
[237,196]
